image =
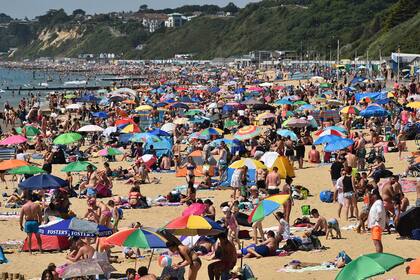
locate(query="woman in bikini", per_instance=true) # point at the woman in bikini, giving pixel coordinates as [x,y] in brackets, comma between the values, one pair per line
[190,165]
[188,258]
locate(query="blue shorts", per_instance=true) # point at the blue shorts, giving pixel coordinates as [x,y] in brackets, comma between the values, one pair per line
[262,250]
[31,226]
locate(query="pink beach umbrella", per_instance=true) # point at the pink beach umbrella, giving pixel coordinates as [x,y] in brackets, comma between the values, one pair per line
[13,140]
[194,209]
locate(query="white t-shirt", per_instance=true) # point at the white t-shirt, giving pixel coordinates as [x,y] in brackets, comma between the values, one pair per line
[286,229]
[377,215]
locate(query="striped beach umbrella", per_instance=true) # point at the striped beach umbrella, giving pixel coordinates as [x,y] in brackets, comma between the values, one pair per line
[143,238]
[350,110]
[247,132]
[193,225]
[267,207]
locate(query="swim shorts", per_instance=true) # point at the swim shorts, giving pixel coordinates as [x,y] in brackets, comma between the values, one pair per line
[376,233]
[31,226]
[262,250]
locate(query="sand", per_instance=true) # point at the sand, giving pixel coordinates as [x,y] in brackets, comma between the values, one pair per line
[313,177]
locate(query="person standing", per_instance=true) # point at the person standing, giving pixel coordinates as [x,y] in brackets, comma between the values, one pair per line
[377,220]
[227,259]
[31,213]
[189,258]
[273,181]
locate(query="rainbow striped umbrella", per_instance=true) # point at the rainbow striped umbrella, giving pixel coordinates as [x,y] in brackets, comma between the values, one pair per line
[351,110]
[193,225]
[267,206]
[211,131]
[131,128]
[143,238]
[247,132]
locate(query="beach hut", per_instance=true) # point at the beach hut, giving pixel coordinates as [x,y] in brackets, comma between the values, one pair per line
[273,159]
[198,159]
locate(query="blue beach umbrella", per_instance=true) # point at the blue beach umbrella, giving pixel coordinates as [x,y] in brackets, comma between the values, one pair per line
[101,115]
[327,139]
[286,132]
[338,145]
[159,132]
[43,182]
[283,102]
[74,227]
[374,111]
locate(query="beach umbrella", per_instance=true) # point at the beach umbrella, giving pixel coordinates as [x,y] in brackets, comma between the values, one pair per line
[26,170]
[12,163]
[286,132]
[29,130]
[267,207]
[259,107]
[181,121]
[43,182]
[247,132]
[70,96]
[159,132]
[74,227]
[327,139]
[196,135]
[255,88]
[369,265]
[144,137]
[295,122]
[249,162]
[87,267]
[338,144]
[329,131]
[350,110]
[90,128]
[107,131]
[306,107]
[129,102]
[110,152]
[374,110]
[88,98]
[193,225]
[214,89]
[194,209]
[144,108]
[142,238]
[13,140]
[168,127]
[366,100]
[325,85]
[414,267]
[75,106]
[131,128]
[230,123]
[124,121]
[211,131]
[100,115]
[334,127]
[67,138]
[414,105]
[179,105]
[229,142]
[193,112]
[77,166]
[299,103]
[334,102]
[283,102]
[252,101]
[266,115]
[409,221]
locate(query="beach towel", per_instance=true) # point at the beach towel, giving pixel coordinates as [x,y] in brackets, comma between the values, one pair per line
[407,185]
[321,267]
[6,216]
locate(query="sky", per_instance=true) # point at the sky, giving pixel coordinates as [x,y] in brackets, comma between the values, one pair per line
[33,8]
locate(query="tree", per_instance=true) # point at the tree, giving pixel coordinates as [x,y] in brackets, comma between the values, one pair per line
[143,7]
[78,12]
[231,8]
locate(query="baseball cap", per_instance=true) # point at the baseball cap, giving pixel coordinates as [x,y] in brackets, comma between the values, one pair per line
[226,209]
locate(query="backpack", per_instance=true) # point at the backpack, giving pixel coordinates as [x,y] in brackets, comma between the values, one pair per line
[292,245]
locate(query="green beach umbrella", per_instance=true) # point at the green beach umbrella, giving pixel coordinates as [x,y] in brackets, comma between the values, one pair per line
[300,102]
[369,265]
[109,152]
[230,123]
[193,112]
[70,96]
[26,170]
[30,130]
[325,85]
[77,166]
[67,138]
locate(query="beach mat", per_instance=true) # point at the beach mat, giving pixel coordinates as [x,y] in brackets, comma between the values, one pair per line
[407,185]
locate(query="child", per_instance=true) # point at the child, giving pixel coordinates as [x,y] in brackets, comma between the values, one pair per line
[232,226]
[332,225]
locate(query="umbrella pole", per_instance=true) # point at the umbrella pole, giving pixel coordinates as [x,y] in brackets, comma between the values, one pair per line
[242,257]
[150,260]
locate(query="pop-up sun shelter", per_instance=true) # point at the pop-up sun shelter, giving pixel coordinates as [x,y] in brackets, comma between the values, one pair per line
[272,159]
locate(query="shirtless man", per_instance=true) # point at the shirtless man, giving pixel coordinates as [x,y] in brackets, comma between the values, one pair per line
[388,193]
[351,160]
[92,179]
[321,226]
[84,251]
[32,214]
[265,249]
[273,181]
[228,258]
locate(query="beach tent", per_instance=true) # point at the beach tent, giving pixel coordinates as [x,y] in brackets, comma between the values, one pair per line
[198,159]
[409,221]
[162,147]
[273,159]
[252,165]
[49,243]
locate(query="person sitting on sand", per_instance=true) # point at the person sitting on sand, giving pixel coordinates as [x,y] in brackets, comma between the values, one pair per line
[189,258]
[83,251]
[227,258]
[321,226]
[265,249]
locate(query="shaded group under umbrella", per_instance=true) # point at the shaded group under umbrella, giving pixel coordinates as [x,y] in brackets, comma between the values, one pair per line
[43,182]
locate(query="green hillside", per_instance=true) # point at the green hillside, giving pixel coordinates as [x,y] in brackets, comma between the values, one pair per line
[306,26]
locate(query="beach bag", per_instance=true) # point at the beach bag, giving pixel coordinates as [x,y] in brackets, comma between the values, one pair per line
[326,196]
[292,245]
[247,273]
[343,255]
[306,210]
[415,234]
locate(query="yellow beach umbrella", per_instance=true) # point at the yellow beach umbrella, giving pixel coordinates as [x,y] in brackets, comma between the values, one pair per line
[414,105]
[144,108]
